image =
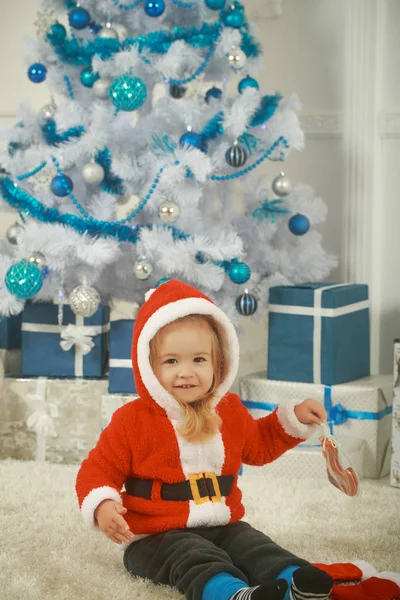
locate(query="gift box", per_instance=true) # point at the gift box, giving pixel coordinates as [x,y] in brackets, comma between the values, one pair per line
[11,361]
[78,348]
[57,420]
[110,403]
[318,333]
[10,332]
[308,462]
[121,379]
[395,459]
[358,410]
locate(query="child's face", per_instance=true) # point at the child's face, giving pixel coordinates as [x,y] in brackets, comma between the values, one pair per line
[183,362]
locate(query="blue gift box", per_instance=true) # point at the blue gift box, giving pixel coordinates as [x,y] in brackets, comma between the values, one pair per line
[10,332]
[85,353]
[121,379]
[318,333]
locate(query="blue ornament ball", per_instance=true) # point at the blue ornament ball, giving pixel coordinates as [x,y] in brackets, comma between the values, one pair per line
[234,18]
[79,18]
[246,304]
[37,73]
[215,4]
[24,280]
[213,92]
[88,77]
[299,224]
[191,138]
[236,156]
[57,33]
[127,92]
[239,272]
[154,8]
[61,185]
[246,83]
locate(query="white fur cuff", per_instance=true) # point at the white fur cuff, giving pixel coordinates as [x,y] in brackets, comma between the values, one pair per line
[291,424]
[94,498]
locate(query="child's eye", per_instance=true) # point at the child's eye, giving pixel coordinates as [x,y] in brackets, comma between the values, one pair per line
[199,359]
[170,361]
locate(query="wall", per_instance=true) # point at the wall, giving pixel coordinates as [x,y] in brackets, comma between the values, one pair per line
[341,58]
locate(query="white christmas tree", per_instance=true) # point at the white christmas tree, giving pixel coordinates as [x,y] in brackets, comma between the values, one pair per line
[131,173]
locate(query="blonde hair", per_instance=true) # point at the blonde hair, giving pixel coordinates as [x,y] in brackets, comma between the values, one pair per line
[200,422]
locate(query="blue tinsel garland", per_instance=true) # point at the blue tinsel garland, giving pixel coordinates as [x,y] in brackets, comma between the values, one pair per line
[53,138]
[111,183]
[23,202]
[76,52]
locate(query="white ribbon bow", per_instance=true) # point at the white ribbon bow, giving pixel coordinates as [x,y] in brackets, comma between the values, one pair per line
[40,420]
[81,337]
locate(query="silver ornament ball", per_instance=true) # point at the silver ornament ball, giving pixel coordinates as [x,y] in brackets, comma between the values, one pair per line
[108,32]
[142,269]
[100,88]
[47,112]
[37,259]
[121,30]
[13,232]
[237,58]
[281,185]
[93,173]
[169,212]
[84,300]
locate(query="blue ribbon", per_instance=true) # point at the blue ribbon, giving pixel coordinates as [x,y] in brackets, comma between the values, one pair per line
[337,414]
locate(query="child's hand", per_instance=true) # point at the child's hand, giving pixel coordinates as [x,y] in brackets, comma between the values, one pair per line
[108,516]
[310,411]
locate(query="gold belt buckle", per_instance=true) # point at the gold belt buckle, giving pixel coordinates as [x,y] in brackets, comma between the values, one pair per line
[194,478]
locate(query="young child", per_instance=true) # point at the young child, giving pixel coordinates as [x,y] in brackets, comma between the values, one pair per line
[178,449]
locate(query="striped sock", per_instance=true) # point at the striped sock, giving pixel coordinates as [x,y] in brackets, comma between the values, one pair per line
[310,583]
[274,590]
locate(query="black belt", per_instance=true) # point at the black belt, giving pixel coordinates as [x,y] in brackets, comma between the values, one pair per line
[200,487]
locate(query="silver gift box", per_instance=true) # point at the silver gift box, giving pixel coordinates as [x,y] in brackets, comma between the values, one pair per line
[58,420]
[395,458]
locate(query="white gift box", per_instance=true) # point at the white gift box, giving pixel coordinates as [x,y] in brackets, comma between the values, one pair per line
[110,403]
[358,411]
[58,420]
[395,460]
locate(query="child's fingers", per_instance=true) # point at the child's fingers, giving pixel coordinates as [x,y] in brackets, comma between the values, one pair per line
[120,509]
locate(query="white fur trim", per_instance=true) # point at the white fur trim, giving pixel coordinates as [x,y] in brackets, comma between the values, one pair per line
[366,568]
[211,456]
[94,498]
[291,424]
[167,314]
[149,293]
[390,575]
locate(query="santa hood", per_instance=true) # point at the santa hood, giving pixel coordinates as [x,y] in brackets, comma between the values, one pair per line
[165,304]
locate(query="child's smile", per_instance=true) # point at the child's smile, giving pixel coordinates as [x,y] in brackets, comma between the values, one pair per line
[183,363]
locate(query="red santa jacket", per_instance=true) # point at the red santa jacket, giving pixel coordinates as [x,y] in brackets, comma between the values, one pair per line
[142,439]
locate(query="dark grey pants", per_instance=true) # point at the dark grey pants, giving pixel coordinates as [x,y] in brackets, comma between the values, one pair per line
[187,558]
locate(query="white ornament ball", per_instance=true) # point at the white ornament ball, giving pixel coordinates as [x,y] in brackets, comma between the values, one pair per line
[93,173]
[169,212]
[38,259]
[281,185]
[142,269]
[237,58]
[13,232]
[84,300]
[100,88]
[108,32]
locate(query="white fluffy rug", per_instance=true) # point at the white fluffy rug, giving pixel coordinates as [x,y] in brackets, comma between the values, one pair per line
[47,553]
